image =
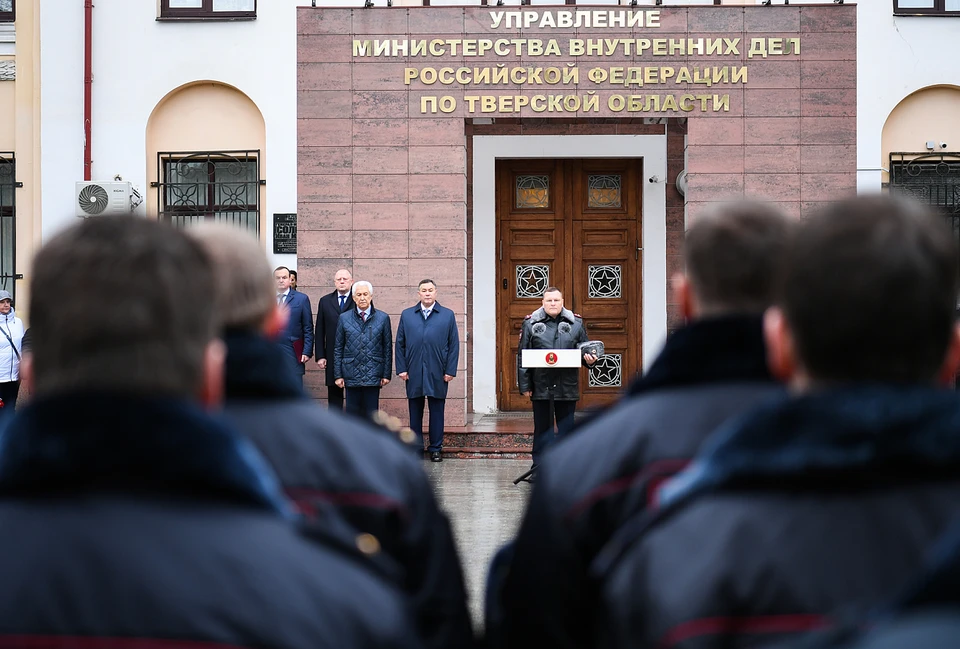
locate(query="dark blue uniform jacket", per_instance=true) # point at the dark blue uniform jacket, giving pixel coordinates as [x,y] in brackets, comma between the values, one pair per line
[132,521]
[811,508]
[328,460]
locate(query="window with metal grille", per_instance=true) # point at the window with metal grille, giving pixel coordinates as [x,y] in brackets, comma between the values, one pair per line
[926,7]
[8,11]
[214,185]
[208,9]
[931,178]
[8,223]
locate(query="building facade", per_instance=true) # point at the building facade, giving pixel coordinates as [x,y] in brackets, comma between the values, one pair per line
[500,150]
[494,149]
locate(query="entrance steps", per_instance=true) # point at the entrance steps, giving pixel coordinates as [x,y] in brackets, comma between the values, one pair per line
[504,434]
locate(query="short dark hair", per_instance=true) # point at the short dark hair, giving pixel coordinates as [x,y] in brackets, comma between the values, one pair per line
[869,291]
[552,289]
[122,303]
[281,268]
[732,255]
[293,273]
[426,281]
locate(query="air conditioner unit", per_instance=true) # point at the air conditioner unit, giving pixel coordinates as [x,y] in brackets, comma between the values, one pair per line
[104,198]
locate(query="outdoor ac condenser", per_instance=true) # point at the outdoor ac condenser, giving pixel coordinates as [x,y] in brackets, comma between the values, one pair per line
[94,198]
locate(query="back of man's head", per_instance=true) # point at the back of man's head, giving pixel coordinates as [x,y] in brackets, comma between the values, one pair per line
[244,287]
[733,255]
[122,304]
[869,292]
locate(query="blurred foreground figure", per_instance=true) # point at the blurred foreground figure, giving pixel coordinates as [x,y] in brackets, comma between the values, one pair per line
[134,518]
[823,504]
[327,460]
[709,371]
[927,617]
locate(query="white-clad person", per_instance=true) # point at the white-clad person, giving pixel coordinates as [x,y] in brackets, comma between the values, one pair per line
[11,340]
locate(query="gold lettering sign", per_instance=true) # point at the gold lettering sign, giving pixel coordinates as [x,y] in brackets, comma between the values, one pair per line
[531,82]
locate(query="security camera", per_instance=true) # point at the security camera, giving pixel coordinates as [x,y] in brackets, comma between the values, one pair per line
[654,179]
[943,145]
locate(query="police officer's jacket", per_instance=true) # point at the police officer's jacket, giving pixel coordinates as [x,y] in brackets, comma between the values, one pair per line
[136,521]
[540,331]
[802,511]
[327,460]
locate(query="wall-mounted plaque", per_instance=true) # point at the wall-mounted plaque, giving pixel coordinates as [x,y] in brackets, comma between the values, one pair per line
[284,234]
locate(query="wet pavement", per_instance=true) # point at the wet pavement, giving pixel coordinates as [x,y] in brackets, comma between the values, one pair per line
[484,508]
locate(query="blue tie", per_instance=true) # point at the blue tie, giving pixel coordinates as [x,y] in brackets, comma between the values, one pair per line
[343,298]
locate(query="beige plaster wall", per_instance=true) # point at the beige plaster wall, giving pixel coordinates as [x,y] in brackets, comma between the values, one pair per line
[26,145]
[8,127]
[204,116]
[930,114]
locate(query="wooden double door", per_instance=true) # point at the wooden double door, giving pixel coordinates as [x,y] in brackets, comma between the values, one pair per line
[576,225]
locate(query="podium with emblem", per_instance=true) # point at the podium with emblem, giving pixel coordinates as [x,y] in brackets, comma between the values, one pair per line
[553,358]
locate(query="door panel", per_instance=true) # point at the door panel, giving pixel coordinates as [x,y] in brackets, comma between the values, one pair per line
[527,269]
[573,224]
[606,294]
[532,253]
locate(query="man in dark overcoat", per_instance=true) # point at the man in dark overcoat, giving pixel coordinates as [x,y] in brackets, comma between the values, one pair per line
[709,371]
[825,502]
[329,309]
[143,520]
[328,462]
[428,350]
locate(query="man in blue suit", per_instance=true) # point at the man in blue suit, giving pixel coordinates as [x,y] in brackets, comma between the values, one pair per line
[297,337]
[428,350]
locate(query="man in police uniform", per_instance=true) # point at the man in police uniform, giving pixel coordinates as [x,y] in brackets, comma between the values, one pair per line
[553,390]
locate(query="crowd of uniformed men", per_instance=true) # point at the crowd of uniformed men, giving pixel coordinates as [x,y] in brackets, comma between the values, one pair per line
[786,473]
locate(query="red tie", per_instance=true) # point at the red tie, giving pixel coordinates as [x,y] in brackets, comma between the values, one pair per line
[363,316]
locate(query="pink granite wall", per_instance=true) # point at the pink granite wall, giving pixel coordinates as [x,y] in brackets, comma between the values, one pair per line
[793,137]
[382,187]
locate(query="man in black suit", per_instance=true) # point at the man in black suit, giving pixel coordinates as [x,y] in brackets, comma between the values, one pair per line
[328,313]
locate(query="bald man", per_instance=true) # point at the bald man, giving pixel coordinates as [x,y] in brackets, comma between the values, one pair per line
[328,313]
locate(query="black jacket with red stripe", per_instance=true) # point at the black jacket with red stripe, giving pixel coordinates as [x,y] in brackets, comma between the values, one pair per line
[804,512]
[595,479]
[328,460]
[143,522]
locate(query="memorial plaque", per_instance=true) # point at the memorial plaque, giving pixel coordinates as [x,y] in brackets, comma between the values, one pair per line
[284,234]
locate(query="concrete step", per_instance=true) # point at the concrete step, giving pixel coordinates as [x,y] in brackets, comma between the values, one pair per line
[494,444]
